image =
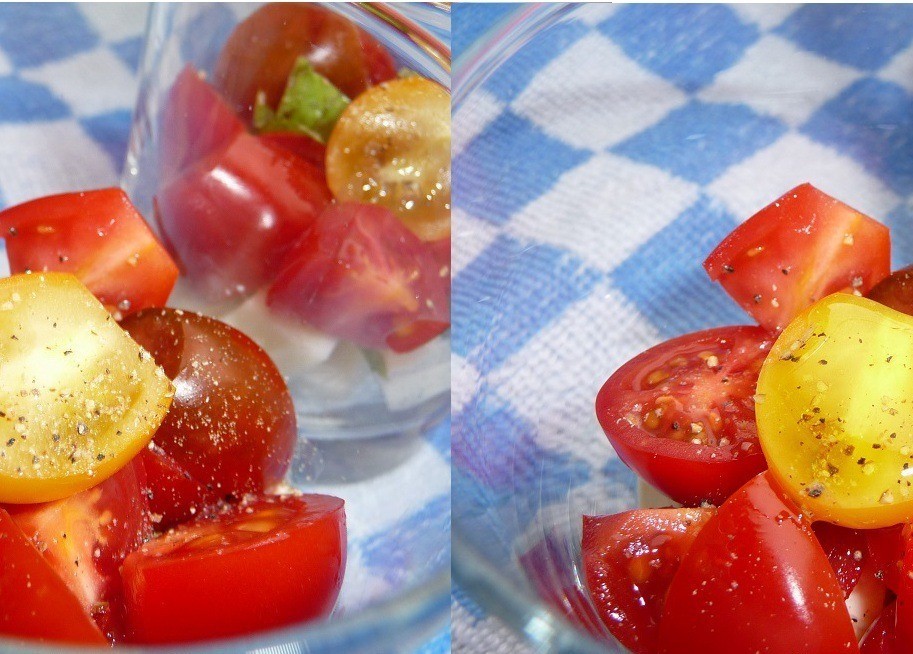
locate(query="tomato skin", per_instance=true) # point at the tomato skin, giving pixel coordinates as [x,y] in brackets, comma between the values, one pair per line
[100,237]
[753,566]
[689,473]
[260,54]
[886,547]
[895,291]
[630,559]
[86,537]
[173,494]
[232,424]
[196,122]
[214,578]
[311,150]
[40,606]
[360,275]
[881,638]
[823,245]
[230,219]
[846,550]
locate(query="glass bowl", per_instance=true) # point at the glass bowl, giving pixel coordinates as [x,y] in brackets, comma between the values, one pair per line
[601,153]
[395,596]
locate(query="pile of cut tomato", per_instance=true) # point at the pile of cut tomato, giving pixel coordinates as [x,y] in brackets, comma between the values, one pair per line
[143,449]
[785,449]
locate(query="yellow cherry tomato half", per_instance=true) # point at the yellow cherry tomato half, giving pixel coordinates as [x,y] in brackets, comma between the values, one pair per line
[391,146]
[834,407]
[78,397]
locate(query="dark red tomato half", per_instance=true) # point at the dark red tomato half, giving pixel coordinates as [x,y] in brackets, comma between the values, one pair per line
[269,562]
[359,274]
[100,237]
[260,53]
[36,602]
[87,536]
[231,425]
[231,218]
[630,559]
[757,578]
[887,547]
[195,123]
[881,638]
[904,627]
[312,151]
[682,416]
[847,551]
[174,495]
[895,291]
[793,252]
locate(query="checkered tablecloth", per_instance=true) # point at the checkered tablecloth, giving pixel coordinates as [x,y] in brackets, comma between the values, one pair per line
[67,89]
[604,162]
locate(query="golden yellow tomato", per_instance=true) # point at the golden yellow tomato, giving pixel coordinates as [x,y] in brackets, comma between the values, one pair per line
[834,407]
[78,397]
[391,146]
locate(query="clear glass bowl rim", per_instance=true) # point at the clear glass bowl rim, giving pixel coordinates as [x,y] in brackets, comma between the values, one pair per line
[423,610]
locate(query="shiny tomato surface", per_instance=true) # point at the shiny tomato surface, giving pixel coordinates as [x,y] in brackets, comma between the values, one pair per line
[359,274]
[261,51]
[681,414]
[803,246]
[757,578]
[232,424]
[269,562]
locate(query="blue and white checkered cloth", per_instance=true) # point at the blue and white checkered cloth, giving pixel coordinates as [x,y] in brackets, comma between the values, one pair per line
[603,163]
[67,89]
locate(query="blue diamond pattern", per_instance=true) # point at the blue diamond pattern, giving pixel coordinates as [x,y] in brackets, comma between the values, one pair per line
[22,101]
[686,44]
[34,34]
[129,50]
[111,131]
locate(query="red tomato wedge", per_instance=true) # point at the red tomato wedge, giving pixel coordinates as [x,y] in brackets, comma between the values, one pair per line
[260,53]
[682,415]
[630,559]
[881,638]
[195,123]
[895,291]
[312,151]
[36,602]
[756,576]
[174,495]
[802,247]
[231,218]
[87,536]
[886,547]
[360,275]
[269,562]
[846,550]
[98,236]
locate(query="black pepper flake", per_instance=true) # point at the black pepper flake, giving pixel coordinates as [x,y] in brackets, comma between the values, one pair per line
[728,268]
[11,442]
[100,457]
[757,299]
[12,231]
[876,446]
[676,426]
[785,271]
[861,461]
[888,360]
[815,490]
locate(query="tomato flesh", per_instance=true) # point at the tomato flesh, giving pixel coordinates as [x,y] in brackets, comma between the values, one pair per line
[882,636]
[833,412]
[800,248]
[98,236]
[886,547]
[79,398]
[230,218]
[846,550]
[36,602]
[630,559]
[754,565]
[269,562]
[232,425]
[173,494]
[309,149]
[261,51]
[682,413]
[87,536]
[358,274]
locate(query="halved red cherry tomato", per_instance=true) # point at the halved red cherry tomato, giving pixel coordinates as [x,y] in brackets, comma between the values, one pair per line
[681,414]
[260,54]
[881,638]
[904,628]
[266,563]
[231,426]
[867,600]
[895,291]
[36,602]
[887,546]
[174,495]
[195,123]
[230,218]
[359,274]
[802,247]
[87,536]
[846,550]
[630,559]
[756,565]
[98,236]
[311,150]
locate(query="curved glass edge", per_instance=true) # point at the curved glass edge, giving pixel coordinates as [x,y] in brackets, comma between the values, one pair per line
[485,583]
